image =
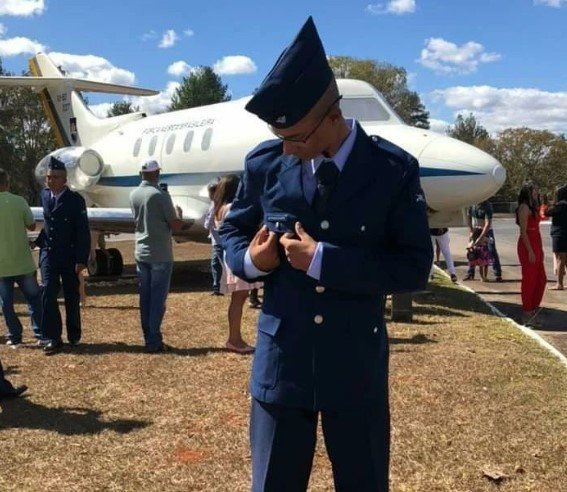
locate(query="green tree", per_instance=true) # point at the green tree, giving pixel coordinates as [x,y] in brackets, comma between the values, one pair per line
[537,155]
[122,107]
[203,86]
[25,138]
[390,80]
[468,130]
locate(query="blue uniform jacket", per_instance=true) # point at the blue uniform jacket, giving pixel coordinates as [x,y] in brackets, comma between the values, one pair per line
[65,238]
[322,345]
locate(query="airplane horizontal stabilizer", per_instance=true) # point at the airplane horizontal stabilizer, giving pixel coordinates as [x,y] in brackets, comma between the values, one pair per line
[40,83]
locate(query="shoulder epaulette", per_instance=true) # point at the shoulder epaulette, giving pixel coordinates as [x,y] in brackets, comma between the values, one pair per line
[265,147]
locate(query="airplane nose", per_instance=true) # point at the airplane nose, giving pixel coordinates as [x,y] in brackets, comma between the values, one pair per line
[459,173]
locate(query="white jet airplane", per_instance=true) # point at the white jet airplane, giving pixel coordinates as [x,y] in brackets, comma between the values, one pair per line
[196,145]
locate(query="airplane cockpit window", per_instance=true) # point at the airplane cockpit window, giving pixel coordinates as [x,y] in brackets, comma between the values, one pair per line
[170,143]
[206,142]
[364,109]
[137,146]
[152,146]
[188,141]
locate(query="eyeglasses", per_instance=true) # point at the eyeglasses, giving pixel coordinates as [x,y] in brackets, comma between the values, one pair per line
[310,134]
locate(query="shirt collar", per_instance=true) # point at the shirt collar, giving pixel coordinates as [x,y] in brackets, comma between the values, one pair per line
[53,195]
[344,151]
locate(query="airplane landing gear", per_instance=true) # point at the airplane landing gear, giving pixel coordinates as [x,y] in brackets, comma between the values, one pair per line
[104,261]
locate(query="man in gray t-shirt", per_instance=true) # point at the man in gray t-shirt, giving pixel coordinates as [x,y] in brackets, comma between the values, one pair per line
[155,221]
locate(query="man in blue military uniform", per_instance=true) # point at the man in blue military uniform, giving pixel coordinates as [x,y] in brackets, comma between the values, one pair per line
[344,224]
[65,247]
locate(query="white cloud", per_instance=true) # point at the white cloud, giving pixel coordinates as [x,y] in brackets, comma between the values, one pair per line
[551,3]
[20,46]
[3,29]
[158,103]
[92,67]
[22,8]
[497,109]
[397,7]
[149,35]
[179,69]
[235,65]
[188,32]
[446,57]
[439,126]
[169,38]
[100,110]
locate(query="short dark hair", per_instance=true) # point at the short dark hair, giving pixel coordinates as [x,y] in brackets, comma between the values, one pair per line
[4,177]
[561,194]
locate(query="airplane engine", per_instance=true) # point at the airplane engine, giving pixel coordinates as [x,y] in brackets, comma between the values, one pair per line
[84,167]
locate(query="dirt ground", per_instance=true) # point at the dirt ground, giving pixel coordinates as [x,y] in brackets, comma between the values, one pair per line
[475,404]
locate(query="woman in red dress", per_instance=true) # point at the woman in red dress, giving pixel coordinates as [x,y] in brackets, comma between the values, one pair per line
[530,251]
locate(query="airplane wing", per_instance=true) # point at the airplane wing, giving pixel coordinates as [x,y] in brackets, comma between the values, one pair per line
[121,220]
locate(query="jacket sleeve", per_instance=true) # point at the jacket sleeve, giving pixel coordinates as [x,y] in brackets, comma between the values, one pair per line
[83,236]
[40,239]
[242,222]
[403,266]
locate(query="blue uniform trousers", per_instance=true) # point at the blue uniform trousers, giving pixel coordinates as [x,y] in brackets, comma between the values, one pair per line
[283,443]
[51,326]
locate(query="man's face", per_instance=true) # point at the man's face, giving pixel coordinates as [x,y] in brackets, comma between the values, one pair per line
[309,137]
[56,180]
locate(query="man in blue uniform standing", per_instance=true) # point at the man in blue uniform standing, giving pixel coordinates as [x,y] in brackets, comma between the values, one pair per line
[65,245]
[344,224]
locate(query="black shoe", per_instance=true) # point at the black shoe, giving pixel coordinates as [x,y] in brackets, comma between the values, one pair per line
[217,293]
[468,277]
[160,349]
[42,343]
[52,348]
[74,343]
[499,279]
[454,278]
[16,391]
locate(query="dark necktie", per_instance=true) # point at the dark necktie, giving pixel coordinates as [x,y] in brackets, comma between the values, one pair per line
[326,174]
[52,202]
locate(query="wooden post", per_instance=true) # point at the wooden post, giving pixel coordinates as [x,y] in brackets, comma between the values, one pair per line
[402,307]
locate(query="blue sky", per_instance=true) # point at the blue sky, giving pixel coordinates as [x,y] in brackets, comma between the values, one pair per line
[503,60]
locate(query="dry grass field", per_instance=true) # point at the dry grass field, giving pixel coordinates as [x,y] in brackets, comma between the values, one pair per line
[470,397]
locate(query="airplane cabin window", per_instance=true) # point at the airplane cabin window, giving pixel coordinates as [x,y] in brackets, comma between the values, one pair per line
[188,140]
[170,143]
[206,142]
[364,109]
[152,146]
[137,146]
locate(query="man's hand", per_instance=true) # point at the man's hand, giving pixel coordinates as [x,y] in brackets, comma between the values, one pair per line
[263,250]
[299,250]
[79,268]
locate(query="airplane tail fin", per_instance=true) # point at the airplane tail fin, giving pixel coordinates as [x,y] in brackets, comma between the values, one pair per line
[72,121]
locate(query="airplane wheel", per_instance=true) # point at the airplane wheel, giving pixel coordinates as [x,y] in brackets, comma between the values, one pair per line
[98,266]
[115,262]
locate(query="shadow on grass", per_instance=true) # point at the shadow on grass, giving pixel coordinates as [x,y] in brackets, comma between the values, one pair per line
[446,300]
[418,339]
[124,348]
[24,414]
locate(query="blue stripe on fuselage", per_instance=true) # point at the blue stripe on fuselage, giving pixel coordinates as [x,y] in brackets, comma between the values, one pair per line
[181,179]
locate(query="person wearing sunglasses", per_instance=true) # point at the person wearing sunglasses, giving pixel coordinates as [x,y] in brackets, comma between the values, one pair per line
[343,224]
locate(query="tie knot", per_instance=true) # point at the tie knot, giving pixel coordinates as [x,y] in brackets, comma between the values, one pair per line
[327,173]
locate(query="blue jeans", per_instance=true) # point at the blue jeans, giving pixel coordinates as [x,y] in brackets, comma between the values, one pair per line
[216,266]
[32,293]
[153,285]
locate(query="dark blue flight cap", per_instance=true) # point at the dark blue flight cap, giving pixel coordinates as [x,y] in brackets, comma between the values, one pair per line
[56,165]
[295,83]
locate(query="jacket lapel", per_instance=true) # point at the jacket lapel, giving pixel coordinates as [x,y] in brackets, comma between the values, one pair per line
[60,200]
[356,174]
[290,179]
